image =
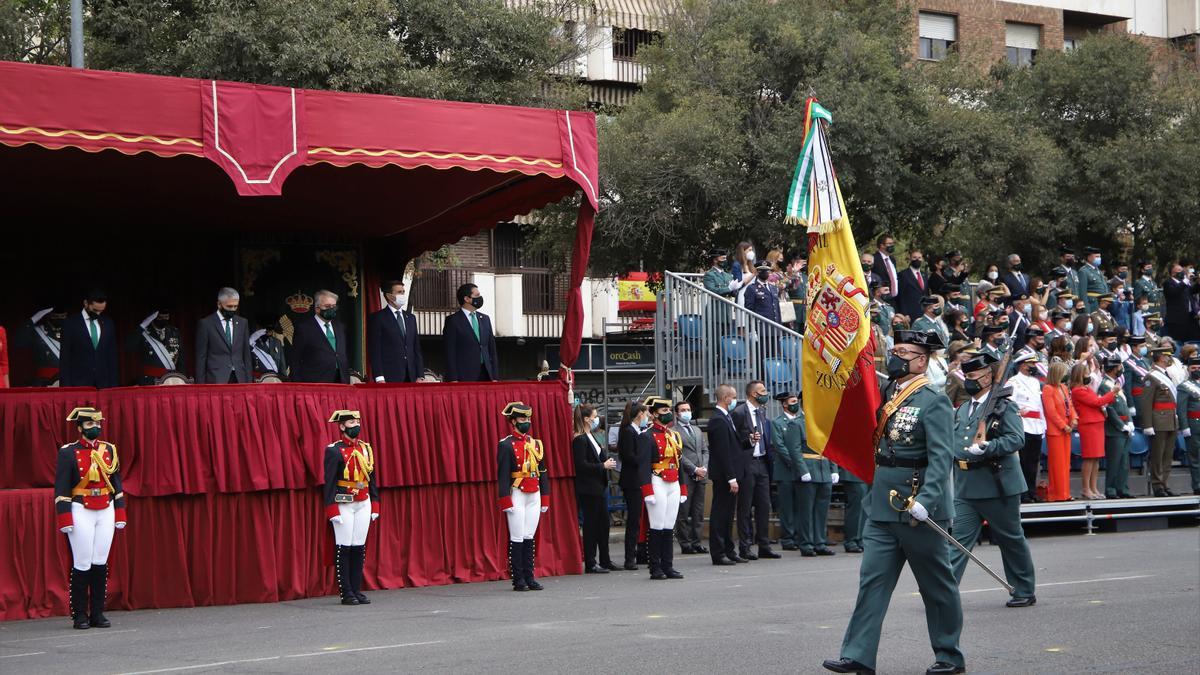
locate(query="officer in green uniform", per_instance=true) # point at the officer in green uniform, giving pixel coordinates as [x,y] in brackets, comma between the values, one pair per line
[930,319]
[988,482]
[1189,418]
[1118,427]
[788,442]
[1071,279]
[816,476]
[1091,279]
[913,457]
[993,342]
[1102,318]
[855,516]
[1137,366]
[718,279]
[1144,287]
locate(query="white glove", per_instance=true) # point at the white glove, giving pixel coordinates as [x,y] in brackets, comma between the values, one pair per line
[374,517]
[1187,433]
[682,499]
[379,380]
[834,477]
[976,449]
[508,510]
[120,525]
[1129,427]
[806,478]
[1149,431]
[336,520]
[917,511]
[67,530]
[545,509]
[651,500]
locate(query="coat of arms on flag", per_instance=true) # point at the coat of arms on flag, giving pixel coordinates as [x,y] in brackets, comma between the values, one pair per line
[835,318]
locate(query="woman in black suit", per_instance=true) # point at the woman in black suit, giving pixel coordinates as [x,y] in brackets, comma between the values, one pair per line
[634,448]
[592,464]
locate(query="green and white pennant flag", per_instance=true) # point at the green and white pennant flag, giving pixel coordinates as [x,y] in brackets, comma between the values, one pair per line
[814,200]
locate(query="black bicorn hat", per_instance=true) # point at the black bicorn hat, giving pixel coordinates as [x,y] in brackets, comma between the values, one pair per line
[928,339]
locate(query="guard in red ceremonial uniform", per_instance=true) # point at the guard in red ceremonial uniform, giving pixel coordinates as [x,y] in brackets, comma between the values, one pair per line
[351,503]
[90,505]
[524,493]
[662,490]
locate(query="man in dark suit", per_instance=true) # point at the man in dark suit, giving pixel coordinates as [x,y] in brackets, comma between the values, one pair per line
[868,268]
[728,465]
[885,267]
[754,434]
[1016,280]
[469,340]
[319,345]
[1179,293]
[393,344]
[1018,321]
[223,343]
[913,286]
[88,350]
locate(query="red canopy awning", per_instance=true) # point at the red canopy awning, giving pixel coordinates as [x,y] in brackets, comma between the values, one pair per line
[438,170]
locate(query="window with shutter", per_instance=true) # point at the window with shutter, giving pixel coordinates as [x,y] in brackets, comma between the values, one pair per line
[1022,41]
[937,33]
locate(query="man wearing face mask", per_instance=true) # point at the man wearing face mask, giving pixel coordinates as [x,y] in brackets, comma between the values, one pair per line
[913,286]
[694,476]
[1027,397]
[1091,279]
[88,351]
[1189,418]
[351,502]
[159,345]
[988,481]
[524,492]
[1018,318]
[913,442]
[469,341]
[393,344]
[1118,428]
[762,297]
[1153,323]
[754,495]
[661,489]
[1157,413]
[955,270]
[1102,318]
[90,505]
[319,346]
[788,437]
[993,342]
[1034,348]
[1071,279]
[1178,300]
[930,318]
[634,447]
[1016,280]
[885,266]
[42,335]
[1144,287]
[223,343]
[718,279]
[1062,325]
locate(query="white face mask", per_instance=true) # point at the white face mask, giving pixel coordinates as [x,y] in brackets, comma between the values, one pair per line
[400,300]
[993,275]
[750,255]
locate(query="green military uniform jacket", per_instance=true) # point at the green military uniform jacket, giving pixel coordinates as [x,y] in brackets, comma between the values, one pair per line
[925,323]
[717,280]
[1155,391]
[1091,287]
[1146,288]
[919,430]
[886,314]
[994,352]
[997,472]
[1103,320]
[1074,284]
[1188,407]
[788,442]
[1116,414]
[1136,369]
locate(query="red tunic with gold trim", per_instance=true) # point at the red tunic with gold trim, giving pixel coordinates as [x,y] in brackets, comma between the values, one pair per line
[664,463]
[87,474]
[349,470]
[521,464]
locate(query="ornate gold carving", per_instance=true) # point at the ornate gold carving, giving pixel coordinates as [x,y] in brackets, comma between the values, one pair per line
[253,261]
[345,262]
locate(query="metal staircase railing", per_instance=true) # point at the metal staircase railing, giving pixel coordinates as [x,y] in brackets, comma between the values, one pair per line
[703,339]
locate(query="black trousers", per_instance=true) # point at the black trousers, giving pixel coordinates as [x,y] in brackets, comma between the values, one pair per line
[633,522]
[1031,458]
[595,528]
[720,522]
[754,494]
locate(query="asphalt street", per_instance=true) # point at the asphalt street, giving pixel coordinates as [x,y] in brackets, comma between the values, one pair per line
[1111,603]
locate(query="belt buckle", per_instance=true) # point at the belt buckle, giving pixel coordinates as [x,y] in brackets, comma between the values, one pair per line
[962,464]
[96,492]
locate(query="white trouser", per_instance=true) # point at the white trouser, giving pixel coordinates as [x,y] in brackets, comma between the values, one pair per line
[92,537]
[356,520]
[523,519]
[666,504]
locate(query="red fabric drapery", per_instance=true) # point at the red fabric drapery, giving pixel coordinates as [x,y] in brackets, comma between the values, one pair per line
[186,551]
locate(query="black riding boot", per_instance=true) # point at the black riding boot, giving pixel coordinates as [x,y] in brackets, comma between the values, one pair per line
[516,565]
[530,558]
[79,597]
[654,549]
[99,588]
[358,557]
[668,555]
[341,561]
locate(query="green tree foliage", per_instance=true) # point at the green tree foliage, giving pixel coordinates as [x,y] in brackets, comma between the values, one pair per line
[36,31]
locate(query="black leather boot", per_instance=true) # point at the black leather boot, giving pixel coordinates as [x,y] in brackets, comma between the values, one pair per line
[530,558]
[668,556]
[98,585]
[516,565]
[654,550]
[358,557]
[79,598]
[341,562]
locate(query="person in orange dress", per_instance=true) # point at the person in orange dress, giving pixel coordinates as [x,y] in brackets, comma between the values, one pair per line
[1091,425]
[1061,421]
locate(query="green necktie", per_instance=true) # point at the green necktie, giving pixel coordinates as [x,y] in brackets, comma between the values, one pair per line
[400,321]
[475,324]
[329,336]
[95,331]
[229,331]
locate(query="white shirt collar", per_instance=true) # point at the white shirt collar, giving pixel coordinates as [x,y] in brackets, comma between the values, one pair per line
[789,415]
[86,318]
[723,410]
[468,313]
[979,401]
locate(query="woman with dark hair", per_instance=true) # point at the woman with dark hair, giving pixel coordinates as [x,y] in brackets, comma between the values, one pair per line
[592,465]
[1061,350]
[1081,326]
[634,447]
[956,324]
[1091,424]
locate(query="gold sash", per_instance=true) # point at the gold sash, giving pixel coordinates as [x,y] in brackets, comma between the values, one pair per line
[893,405]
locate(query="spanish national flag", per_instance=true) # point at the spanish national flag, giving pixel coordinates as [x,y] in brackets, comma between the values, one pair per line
[841,393]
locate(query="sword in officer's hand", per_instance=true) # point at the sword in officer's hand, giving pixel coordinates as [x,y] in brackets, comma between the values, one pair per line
[904,504]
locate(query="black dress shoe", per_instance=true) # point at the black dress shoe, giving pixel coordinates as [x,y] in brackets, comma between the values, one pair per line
[943,668]
[630,567]
[739,559]
[791,547]
[768,554]
[686,550]
[854,549]
[1160,493]
[611,566]
[808,554]
[1171,493]
[723,561]
[699,549]
[362,599]
[748,555]
[673,574]
[595,569]
[1022,602]
[80,622]
[847,666]
[350,600]
[825,551]
[99,621]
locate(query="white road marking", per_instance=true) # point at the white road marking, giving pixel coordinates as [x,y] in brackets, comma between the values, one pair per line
[1066,583]
[276,658]
[106,633]
[13,656]
[364,649]
[203,665]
